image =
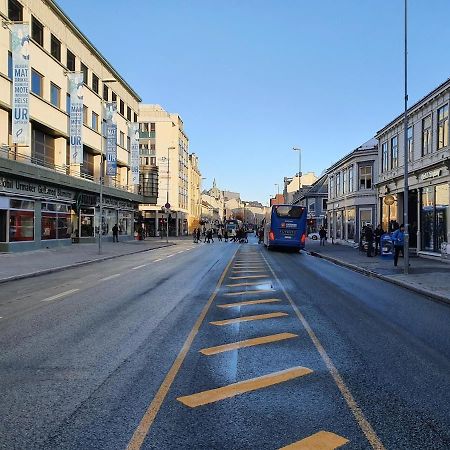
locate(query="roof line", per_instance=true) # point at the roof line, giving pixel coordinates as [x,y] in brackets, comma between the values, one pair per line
[92,47]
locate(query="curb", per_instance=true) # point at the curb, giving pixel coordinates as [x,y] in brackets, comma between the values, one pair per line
[78,264]
[372,274]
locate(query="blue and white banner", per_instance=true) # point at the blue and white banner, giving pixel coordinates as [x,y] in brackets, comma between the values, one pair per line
[133,132]
[76,116]
[20,41]
[111,138]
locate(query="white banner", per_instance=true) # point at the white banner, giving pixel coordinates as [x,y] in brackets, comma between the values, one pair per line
[76,116]
[20,40]
[111,138]
[133,132]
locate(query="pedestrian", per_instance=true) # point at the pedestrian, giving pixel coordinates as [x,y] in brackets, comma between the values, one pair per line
[194,235]
[225,235]
[198,235]
[261,235]
[208,236]
[398,239]
[219,235]
[369,236]
[115,231]
[378,233]
[322,235]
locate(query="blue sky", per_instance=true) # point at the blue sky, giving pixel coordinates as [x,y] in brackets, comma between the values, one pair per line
[253,78]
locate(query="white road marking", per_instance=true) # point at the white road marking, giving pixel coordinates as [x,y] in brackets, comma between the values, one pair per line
[182,251]
[170,256]
[156,260]
[62,294]
[111,276]
[139,267]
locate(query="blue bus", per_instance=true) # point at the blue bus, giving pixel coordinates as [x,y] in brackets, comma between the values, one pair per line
[285,227]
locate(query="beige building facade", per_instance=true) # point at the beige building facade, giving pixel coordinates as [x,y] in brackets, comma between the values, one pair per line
[61,203]
[164,148]
[194,195]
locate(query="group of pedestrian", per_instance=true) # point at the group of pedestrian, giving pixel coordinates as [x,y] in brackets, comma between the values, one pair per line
[240,235]
[372,236]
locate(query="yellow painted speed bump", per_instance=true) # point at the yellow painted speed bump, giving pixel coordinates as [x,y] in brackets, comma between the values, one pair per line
[250,271]
[259,291]
[323,440]
[247,343]
[214,395]
[249,318]
[248,276]
[253,283]
[249,302]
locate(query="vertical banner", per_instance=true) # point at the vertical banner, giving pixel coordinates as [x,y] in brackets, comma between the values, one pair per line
[111,139]
[133,132]
[76,116]
[20,40]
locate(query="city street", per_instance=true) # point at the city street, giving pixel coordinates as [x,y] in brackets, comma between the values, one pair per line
[221,346]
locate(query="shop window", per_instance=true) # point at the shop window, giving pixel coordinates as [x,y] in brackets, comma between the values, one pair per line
[55,47]
[350,223]
[55,95]
[55,222]
[70,61]
[15,11]
[21,220]
[37,31]
[87,222]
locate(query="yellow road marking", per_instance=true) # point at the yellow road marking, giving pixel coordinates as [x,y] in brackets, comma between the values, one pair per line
[259,291]
[249,276]
[250,265]
[214,395]
[323,440]
[249,302]
[365,426]
[247,343]
[249,318]
[250,271]
[254,283]
[147,420]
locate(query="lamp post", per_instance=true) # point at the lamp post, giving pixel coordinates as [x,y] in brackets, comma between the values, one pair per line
[406,156]
[167,196]
[278,188]
[102,170]
[299,150]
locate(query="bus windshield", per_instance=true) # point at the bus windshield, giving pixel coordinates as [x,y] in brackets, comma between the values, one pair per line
[293,212]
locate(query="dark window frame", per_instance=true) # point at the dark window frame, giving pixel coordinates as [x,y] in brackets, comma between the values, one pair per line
[41,83]
[95,83]
[37,31]
[427,135]
[69,56]
[58,89]
[15,11]
[55,47]
[85,70]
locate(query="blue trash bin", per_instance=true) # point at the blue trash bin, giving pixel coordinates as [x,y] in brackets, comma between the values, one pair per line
[387,246]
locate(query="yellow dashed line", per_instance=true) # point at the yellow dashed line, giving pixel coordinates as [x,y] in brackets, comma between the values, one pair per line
[249,318]
[250,302]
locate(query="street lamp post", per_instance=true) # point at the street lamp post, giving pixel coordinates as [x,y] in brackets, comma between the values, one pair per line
[299,150]
[167,196]
[102,170]
[406,156]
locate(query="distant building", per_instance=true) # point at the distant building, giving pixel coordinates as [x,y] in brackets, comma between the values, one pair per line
[351,193]
[291,185]
[194,195]
[277,200]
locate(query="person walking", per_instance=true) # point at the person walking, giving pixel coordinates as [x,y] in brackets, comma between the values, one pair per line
[194,235]
[225,235]
[398,239]
[369,239]
[198,235]
[323,236]
[261,235]
[115,230]
[378,233]
[219,235]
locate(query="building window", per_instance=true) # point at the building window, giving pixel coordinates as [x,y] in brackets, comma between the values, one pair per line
[95,83]
[15,11]
[442,127]
[338,184]
[70,61]
[153,161]
[55,47]
[384,157]
[410,144]
[152,127]
[43,148]
[94,121]
[68,103]
[350,179]
[122,107]
[128,142]
[426,135]
[143,126]
[344,181]
[37,31]
[105,92]
[84,69]
[36,82]
[135,117]
[10,66]
[365,177]
[85,115]
[113,96]
[88,164]
[128,113]
[55,95]
[331,188]
[394,152]
[122,139]
[324,204]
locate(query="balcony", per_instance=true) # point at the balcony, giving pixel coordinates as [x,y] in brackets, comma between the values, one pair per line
[147,134]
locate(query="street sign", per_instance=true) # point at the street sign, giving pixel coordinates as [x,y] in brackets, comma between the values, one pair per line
[167,206]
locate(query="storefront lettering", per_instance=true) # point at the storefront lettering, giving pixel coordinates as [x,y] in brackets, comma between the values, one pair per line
[431,174]
[15,186]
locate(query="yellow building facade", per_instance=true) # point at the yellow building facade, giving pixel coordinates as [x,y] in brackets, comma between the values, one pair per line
[194,196]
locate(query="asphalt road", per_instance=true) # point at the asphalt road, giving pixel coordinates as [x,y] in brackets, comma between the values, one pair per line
[221,346]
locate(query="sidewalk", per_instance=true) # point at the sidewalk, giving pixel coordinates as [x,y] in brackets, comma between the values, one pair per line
[14,266]
[427,277]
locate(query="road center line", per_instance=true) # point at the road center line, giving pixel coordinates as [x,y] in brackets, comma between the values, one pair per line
[62,294]
[248,276]
[365,426]
[147,420]
[247,343]
[214,395]
[139,267]
[157,260]
[170,256]
[249,318]
[249,302]
[110,277]
[253,283]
